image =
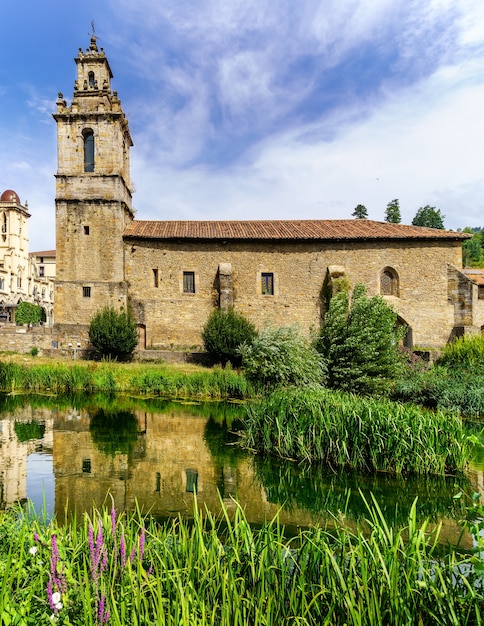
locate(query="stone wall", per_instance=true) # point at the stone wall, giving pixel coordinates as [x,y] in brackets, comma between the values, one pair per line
[171,318]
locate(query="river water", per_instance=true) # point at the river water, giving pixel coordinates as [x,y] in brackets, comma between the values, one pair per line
[67,455]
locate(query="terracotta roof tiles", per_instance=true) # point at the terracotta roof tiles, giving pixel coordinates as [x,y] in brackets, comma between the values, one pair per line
[355,229]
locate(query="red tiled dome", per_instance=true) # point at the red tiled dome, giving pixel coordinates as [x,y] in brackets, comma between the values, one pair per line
[9,196]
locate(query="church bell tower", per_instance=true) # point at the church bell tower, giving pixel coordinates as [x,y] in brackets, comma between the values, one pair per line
[93,194]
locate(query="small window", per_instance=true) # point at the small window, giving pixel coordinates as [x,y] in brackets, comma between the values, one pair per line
[86,292]
[188,282]
[2,283]
[192,481]
[92,80]
[267,283]
[389,282]
[88,151]
[41,271]
[86,230]
[86,466]
[155,277]
[19,282]
[158,482]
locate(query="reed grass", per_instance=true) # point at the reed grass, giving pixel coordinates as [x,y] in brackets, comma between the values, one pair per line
[118,569]
[148,380]
[365,434]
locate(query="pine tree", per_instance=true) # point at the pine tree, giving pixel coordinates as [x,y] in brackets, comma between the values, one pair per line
[392,213]
[360,212]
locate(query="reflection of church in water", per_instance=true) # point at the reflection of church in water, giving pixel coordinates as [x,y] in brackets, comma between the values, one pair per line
[156,461]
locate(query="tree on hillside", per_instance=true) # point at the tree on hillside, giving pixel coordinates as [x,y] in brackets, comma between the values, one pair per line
[114,333]
[360,212]
[392,213]
[429,216]
[360,342]
[473,249]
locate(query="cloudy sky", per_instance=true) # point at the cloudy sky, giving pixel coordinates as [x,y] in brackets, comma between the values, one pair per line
[259,109]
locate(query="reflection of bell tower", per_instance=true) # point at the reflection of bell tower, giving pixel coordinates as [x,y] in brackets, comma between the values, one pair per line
[93,193]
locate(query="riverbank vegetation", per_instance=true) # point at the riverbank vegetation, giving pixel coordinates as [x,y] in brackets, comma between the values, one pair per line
[118,569]
[342,430]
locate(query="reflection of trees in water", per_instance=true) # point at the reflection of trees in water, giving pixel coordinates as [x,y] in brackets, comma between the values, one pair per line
[114,432]
[26,431]
[318,491]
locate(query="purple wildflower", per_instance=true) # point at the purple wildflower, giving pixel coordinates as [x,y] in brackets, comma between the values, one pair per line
[132,555]
[102,612]
[113,521]
[36,537]
[122,550]
[142,543]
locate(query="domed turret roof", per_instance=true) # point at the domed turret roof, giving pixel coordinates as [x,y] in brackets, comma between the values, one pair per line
[9,196]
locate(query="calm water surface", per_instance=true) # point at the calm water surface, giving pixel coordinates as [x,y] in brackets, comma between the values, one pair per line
[70,454]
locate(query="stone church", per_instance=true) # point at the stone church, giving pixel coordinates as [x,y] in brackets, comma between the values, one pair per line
[173,273]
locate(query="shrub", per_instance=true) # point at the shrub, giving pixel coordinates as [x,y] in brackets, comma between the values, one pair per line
[360,342]
[224,332]
[113,333]
[464,353]
[281,356]
[28,313]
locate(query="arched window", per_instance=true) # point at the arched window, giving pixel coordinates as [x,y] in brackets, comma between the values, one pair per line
[92,80]
[88,150]
[389,282]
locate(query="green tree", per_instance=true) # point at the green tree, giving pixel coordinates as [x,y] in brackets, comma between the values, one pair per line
[224,332]
[473,249]
[28,313]
[282,356]
[360,212]
[360,342]
[114,333]
[430,217]
[392,213]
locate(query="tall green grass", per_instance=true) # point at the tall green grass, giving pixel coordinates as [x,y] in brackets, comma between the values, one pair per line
[366,434]
[148,380]
[116,569]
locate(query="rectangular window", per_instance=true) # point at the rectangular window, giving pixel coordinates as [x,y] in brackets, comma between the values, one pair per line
[41,271]
[188,282]
[267,283]
[192,480]
[86,466]
[19,282]
[86,292]
[2,283]
[155,278]
[86,230]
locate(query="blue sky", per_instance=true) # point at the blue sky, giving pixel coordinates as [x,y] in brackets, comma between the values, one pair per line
[259,109]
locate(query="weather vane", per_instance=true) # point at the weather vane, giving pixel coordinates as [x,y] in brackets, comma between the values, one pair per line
[93,29]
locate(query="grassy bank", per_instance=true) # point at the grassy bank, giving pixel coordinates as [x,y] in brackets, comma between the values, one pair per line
[365,434]
[156,380]
[121,570]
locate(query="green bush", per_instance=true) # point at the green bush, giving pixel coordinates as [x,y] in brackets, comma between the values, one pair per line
[224,332]
[464,353]
[281,356]
[28,313]
[114,333]
[360,342]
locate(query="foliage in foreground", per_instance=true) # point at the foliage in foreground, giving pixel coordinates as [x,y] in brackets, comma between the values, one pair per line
[114,333]
[120,570]
[365,434]
[224,332]
[282,356]
[359,341]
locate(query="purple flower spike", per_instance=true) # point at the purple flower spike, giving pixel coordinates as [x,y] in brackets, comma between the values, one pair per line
[113,520]
[142,540]
[122,550]
[133,554]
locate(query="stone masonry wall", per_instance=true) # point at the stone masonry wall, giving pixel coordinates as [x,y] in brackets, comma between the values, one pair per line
[175,319]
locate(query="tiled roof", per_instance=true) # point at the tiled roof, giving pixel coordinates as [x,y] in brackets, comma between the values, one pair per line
[476,275]
[355,229]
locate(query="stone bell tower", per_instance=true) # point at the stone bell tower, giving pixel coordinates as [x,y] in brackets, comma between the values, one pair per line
[93,194]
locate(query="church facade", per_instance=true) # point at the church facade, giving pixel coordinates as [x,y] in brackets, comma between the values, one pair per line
[173,273]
